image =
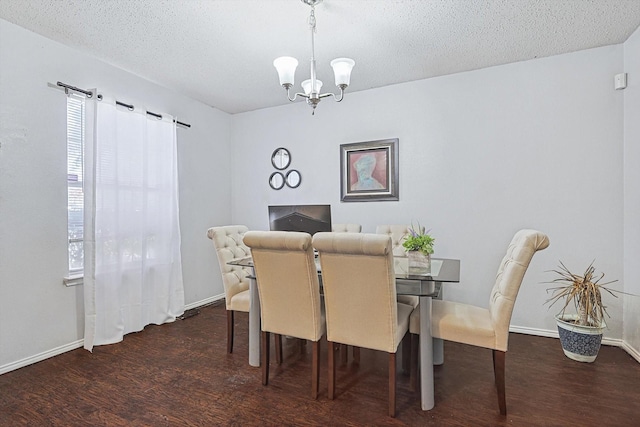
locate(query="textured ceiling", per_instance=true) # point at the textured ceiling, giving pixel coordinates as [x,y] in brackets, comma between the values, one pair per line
[221,51]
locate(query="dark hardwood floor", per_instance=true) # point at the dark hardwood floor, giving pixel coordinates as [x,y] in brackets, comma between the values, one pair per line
[179,374]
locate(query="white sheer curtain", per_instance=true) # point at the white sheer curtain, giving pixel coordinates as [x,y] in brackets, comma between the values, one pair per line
[133,270]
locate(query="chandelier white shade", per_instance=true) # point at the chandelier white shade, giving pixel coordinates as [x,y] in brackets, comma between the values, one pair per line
[286,67]
[306,86]
[342,69]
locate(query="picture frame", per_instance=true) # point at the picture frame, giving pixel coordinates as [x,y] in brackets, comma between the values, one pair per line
[369,171]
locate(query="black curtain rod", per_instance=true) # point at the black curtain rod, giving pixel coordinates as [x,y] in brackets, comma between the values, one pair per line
[89,94]
[67,88]
[151,113]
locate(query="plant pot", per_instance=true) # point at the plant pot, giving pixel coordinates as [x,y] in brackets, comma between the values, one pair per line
[419,262]
[580,343]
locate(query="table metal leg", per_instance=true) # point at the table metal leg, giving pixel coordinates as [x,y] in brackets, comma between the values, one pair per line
[254,324]
[438,351]
[438,344]
[426,355]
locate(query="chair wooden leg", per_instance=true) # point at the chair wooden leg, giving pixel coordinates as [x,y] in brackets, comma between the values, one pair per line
[315,370]
[406,353]
[344,353]
[392,384]
[499,371]
[356,355]
[229,331]
[414,376]
[277,339]
[264,343]
[331,361]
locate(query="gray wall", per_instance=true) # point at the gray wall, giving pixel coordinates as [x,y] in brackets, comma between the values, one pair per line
[535,144]
[39,316]
[632,192]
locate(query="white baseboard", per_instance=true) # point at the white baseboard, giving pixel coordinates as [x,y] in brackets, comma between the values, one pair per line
[41,356]
[203,302]
[632,351]
[534,331]
[80,343]
[554,334]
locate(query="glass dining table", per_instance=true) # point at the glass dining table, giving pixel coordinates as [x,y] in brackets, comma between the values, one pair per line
[424,284]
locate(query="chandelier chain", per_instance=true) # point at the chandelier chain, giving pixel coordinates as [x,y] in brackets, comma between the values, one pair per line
[312,20]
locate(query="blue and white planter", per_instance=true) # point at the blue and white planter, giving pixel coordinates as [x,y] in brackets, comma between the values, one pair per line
[579,343]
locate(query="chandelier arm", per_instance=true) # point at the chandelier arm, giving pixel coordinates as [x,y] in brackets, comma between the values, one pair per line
[335,97]
[295,95]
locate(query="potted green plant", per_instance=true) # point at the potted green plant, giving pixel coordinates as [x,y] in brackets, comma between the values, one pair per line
[419,246]
[580,332]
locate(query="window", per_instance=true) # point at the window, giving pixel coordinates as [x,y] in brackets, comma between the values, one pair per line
[75,179]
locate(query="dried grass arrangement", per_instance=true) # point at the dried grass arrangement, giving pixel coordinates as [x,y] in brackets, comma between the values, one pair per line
[585,291]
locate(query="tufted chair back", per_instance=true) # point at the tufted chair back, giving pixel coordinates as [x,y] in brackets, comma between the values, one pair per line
[397,233]
[523,246]
[360,290]
[346,228]
[229,245]
[287,283]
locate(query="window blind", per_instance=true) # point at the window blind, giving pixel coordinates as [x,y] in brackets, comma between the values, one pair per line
[75,179]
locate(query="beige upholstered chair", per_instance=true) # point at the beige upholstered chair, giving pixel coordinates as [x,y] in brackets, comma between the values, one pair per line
[360,298]
[484,327]
[289,291]
[398,234]
[346,228]
[228,243]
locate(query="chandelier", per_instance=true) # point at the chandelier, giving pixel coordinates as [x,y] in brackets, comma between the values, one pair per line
[286,67]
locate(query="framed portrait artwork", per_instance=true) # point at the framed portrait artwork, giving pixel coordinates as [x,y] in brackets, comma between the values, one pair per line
[369,171]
